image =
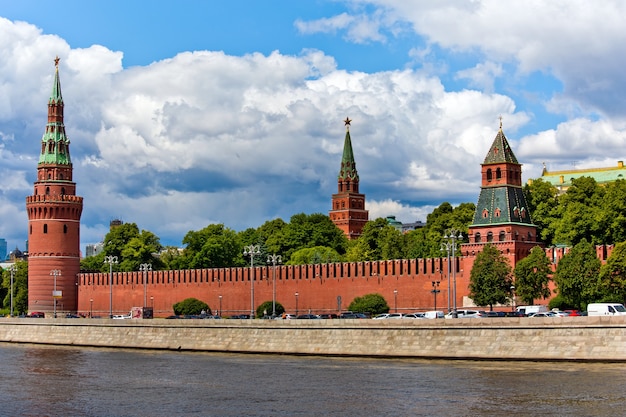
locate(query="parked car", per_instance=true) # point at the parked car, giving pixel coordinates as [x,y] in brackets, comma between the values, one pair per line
[606,309]
[465,314]
[308,317]
[381,316]
[328,316]
[413,316]
[36,315]
[543,314]
[122,317]
[494,314]
[348,315]
[435,314]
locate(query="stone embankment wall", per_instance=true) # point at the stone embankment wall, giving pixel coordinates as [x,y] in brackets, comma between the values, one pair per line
[551,339]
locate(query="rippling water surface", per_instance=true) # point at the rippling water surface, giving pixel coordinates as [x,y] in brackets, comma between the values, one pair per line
[45,381]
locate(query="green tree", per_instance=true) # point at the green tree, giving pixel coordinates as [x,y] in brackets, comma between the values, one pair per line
[20,288]
[191,306]
[578,213]
[369,303]
[304,231]
[490,278]
[316,255]
[612,215]
[542,199]
[215,246]
[577,275]
[378,241]
[532,277]
[613,276]
[265,309]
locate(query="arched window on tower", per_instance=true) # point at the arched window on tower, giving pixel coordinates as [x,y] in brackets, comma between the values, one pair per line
[490,237]
[477,237]
[47,190]
[45,228]
[498,173]
[502,236]
[65,228]
[489,174]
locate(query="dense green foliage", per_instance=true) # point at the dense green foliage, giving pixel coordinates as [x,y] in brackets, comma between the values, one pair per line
[369,303]
[490,279]
[577,275]
[20,288]
[265,309]
[612,284]
[532,277]
[191,306]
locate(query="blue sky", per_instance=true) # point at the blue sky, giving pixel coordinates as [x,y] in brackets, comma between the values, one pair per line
[190,113]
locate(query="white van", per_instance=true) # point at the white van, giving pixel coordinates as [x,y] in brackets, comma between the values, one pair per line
[606,309]
[528,310]
[435,314]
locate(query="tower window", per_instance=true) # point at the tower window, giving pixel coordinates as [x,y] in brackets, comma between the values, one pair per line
[65,228]
[502,236]
[489,174]
[45,228]
[498,173]
[490,237]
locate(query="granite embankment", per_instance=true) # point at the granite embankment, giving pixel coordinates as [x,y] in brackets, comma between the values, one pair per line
[551,339]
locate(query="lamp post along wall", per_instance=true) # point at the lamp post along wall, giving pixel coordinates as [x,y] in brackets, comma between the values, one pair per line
[251,251]
[55,294]
[145,268]
[110,260]
[274,259]
[450,246]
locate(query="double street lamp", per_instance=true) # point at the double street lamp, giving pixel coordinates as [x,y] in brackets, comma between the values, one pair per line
[251,251]
[110,260]
[145,268]
[395,299]
[55,294]
[449,245]
[274,259]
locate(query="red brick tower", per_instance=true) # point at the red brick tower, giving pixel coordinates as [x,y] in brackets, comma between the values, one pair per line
[502,217]
[54,218]
[348,210]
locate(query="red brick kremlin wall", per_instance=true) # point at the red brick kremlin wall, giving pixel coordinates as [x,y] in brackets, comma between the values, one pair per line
[318,286]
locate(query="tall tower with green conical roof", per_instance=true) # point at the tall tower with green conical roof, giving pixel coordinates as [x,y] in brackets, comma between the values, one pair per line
[54,212]
[348,205]
[502,216]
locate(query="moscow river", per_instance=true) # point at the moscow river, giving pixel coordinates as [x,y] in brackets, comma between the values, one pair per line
[52,381]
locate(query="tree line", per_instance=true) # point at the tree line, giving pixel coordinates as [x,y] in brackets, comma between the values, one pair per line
[587,214]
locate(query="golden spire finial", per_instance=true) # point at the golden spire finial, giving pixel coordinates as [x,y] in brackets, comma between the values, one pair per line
[500,121]
[347,123]
[56,61]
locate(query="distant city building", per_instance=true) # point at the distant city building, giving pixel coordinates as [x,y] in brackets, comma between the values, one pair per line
[407,227]
[94,249]
[562,180]
[3,249]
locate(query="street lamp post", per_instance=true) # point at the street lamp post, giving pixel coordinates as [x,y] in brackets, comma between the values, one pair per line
[395,299]
[55,294]
[251,251]
[297,304]
[219,312]
[152,303]
[110,260]
[12,269]
[513,299]
[91,308]
[435,291]
[274,259]
[450,246]
[145,268]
